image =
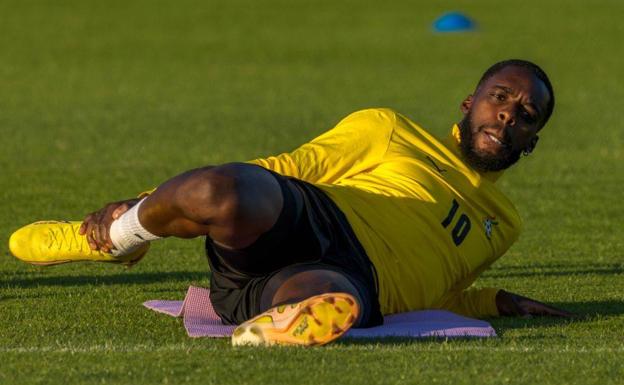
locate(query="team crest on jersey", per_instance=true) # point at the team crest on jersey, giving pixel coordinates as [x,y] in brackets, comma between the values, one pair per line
[489,223]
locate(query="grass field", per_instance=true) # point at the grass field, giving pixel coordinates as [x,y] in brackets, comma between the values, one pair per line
[101,100]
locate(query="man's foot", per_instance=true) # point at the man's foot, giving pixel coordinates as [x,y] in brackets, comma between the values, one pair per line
[314,321]
[54,242]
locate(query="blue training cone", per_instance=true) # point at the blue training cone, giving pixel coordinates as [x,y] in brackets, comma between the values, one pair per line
[453,22]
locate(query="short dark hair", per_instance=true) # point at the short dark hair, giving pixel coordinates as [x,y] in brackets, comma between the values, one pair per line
[534,68]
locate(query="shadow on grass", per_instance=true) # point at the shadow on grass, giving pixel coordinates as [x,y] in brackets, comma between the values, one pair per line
[554,270]
[398,341]
[20,297]
[593,308]
[116,279]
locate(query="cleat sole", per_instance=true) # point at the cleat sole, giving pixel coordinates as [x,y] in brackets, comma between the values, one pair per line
[317,321]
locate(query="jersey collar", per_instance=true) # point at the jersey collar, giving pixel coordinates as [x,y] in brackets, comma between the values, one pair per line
[452,142]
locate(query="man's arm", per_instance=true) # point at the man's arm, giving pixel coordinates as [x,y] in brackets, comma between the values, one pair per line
[491,302]
[356,144]
[472,302]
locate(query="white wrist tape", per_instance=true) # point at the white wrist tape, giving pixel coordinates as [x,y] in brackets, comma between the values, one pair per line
[127,233]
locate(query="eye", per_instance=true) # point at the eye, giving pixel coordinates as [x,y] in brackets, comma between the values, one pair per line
[526,115]
[500,97]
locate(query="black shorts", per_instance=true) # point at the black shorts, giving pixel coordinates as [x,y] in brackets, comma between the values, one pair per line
[310,233]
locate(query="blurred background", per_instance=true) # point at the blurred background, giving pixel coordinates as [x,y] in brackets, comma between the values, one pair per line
[102,100]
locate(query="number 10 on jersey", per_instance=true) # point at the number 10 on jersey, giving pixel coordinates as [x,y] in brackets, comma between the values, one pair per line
[462,226]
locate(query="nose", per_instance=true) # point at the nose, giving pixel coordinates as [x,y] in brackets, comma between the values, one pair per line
[507,117]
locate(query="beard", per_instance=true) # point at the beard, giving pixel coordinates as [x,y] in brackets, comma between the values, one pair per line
[481,160]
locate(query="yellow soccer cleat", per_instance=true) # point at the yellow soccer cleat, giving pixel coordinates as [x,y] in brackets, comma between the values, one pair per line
[55,242]
[314,321]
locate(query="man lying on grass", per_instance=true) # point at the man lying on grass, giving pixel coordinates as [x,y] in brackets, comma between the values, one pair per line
[374,217]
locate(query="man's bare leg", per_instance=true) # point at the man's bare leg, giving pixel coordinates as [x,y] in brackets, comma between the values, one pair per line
[233,204]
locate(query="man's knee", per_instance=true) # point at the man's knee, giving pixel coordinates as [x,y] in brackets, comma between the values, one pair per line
[237,200]
[204,193]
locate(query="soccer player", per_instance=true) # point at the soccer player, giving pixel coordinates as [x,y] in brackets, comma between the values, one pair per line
[376,216]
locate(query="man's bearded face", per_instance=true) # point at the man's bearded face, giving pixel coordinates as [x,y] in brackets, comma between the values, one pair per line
[502,118]
[503,157]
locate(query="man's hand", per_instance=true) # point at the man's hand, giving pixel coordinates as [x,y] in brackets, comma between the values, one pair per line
[510,304]
[97,224]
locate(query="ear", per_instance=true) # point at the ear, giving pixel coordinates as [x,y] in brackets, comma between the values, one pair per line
[532,144]
[466,104]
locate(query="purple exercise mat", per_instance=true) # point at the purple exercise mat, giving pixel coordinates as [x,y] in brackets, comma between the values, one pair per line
[200,320]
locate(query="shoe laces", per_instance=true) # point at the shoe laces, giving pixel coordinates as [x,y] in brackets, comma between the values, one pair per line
[65,237]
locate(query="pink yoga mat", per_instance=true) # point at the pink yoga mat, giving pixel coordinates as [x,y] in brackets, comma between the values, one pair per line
[200,320]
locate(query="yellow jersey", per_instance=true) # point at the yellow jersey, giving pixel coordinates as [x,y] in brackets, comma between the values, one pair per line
[428,221]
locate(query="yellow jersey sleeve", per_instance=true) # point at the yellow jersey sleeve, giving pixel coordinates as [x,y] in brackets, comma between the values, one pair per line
[356,144]
[472,302]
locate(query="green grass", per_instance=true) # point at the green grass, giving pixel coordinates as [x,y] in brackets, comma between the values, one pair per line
[100,100]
